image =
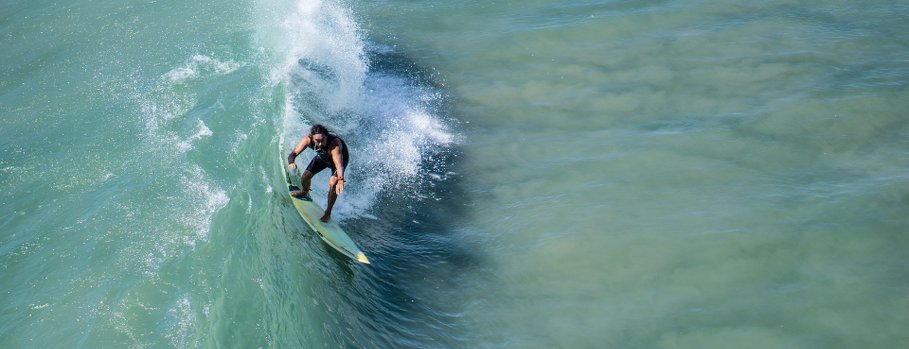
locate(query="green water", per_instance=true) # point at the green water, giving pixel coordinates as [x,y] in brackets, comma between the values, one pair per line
[537,174]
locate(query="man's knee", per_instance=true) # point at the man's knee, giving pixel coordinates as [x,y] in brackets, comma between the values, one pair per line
[307,175]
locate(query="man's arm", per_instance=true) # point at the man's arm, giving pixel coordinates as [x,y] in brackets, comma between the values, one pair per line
[297,150]
[338,157]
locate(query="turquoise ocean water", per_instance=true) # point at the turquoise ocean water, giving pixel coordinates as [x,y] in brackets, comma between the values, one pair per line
[524,174]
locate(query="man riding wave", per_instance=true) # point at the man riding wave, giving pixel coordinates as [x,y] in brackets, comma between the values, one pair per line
[331,152]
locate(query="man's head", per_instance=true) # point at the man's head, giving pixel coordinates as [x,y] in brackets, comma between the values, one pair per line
[319,135]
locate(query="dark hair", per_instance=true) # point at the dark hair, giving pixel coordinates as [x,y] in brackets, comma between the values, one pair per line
[317,129]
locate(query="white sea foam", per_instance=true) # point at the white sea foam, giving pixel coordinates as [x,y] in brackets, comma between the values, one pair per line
[202,132]
[206,201]
[265,180]
[180,74]
[240,137]
[322,34]
[185,219]
[188,202]
[200,66]
[184,320]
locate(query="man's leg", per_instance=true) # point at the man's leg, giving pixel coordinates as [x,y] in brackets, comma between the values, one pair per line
[332,196]
[305,183]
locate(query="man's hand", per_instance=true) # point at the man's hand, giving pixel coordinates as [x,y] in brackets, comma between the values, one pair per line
[292,166]
[339,186]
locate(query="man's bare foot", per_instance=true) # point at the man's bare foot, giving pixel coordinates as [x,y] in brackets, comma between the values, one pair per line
[301,194]
[325,218]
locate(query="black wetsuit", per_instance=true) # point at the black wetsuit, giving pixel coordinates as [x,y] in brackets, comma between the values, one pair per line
[323,157]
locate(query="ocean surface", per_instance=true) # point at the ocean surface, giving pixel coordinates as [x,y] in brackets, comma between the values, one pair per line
[524,174]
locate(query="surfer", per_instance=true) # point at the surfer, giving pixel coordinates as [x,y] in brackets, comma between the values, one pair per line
[331,152]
